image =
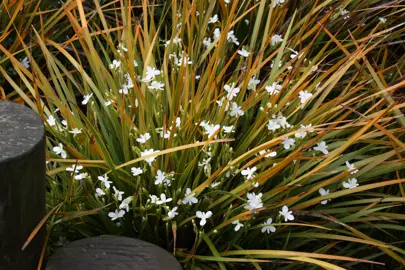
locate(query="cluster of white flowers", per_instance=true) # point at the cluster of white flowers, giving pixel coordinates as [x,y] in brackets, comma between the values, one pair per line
[277,122]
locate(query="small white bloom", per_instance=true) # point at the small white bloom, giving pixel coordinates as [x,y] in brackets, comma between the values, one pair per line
[248,172]
[276,39]
[160,177]
[99,192]
[273,125]
[143,138]
[243,52]
[74,168]
[86,99]
[203,216]
[321,146]
[295,54]
[104,180]
[232,90]
[286,214]
[288,143]
[155,85]
[228,129]
[324,192]
[232,38]
[25,62]
[125,203]
[189,198]
[268,227]
[269,154]
[115,64]
[75,131]
[81,176]
[252,83]
[345,14]
[163,199]
[123,91]
[382,20]
[211,129]
[60,151]
[254,201]
[207,42]
[217,33]
[236,110]
[351,168]
[303,132]
[213,19]
[117,214]
[153,198]
[172,213]
[152,72]
[136,171]
[274,88]
[351,183]
[304,96]
[149,152]
[118,194]
[215,184]
[107,103]
[51,121]
[237,224]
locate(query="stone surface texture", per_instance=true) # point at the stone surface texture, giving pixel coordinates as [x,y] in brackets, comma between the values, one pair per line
[112,253]
[22,185]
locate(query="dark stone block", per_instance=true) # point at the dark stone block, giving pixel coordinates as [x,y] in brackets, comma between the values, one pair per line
[112,253]
[22,185]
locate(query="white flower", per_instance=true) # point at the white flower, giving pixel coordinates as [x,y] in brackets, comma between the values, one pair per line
[107,103]
[280,64]
[75,131]
[115,64]
[351,183]
[303,132]
[236,110]
[248,172]
[324,192]
[86,99]
[206,42]
[81,176]
[203,216]
[273,125]
[135,63]
[25,62]
[252,83]
[269,154]
[228,129]
[143,138]
[149,152]
[345,14]
[243,52]
[60,151]
[117,214]
[288,143]
[238,225]
[382,20]
[274,88]
[232,90]
[268,227]
[227,1]
[160,177]
[99,192]
[211,129]
[190,197]
[304,96]
[74,168]
[64,122]
[172,213]
[215,184]
[51,121]
[351,168]
[213,19]
[294,54]
[321,146]
[286,214]
[232,38]
[153,198]
[118,194]
[136,171]
[125,203]
[278,2]
[152,72]
[123,91]
[254,201]
[163,199]
[217,33]
[276,39]
[104,180]
[155,85]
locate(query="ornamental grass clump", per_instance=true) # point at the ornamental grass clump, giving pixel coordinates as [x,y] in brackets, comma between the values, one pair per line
[235,134]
